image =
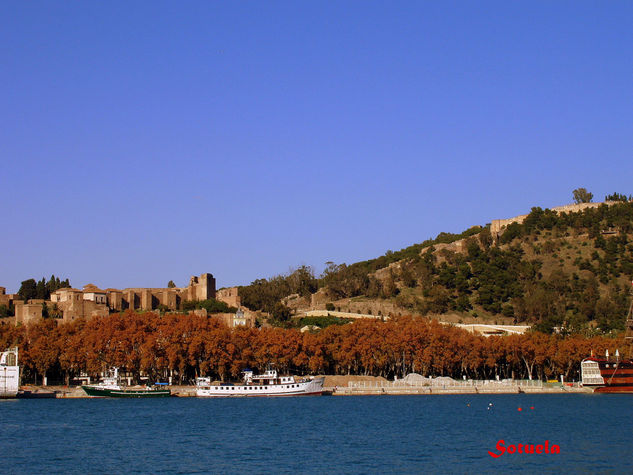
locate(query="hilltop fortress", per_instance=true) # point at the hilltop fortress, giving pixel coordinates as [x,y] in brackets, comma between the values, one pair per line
[497,225]
[70,304]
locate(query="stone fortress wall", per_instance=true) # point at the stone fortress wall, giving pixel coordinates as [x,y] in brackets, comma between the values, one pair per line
[5,299]
[497,225]
[229,296]
[91,301]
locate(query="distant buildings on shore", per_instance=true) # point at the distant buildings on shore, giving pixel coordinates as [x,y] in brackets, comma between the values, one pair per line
[69,304]
[492,330]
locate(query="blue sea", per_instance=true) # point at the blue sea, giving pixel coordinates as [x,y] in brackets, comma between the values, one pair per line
[370,434]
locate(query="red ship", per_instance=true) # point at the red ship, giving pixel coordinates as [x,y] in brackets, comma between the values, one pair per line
[610,375]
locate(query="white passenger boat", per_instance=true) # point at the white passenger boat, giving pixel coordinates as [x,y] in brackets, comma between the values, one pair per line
[267,384]
[9,373]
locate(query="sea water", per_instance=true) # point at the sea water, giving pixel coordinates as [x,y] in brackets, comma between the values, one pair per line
[370,434]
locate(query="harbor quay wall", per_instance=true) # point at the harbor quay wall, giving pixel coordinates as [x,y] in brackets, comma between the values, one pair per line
[403,391]
[441,386]
[367,387]
[190,391]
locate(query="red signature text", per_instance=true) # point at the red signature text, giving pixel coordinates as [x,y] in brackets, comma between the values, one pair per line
[545,448]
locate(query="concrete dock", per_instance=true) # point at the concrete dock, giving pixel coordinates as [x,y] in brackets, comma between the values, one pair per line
[366,388]
[360,386]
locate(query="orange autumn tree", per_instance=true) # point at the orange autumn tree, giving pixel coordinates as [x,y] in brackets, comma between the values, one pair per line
[183,347]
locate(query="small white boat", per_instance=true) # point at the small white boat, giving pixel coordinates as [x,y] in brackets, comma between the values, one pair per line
[9,373]
[267,384]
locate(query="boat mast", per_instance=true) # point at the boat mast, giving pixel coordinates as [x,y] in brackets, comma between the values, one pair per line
[628,325]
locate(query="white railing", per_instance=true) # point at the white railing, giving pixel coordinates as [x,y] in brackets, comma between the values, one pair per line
[456,384]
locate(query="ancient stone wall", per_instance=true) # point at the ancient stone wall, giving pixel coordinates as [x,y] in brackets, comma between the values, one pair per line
[6,299]
[26,312]
[229,296]
[144,298]
[201,288]
[114,299]
[91,301]
[498,224]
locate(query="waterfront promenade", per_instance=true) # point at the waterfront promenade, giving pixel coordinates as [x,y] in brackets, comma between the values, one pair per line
[370,386]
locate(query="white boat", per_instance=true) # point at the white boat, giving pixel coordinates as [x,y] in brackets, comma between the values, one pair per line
[9,373]
[267,384]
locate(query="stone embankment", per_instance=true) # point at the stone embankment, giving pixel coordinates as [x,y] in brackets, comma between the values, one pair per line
[76,392]
[428,386]
[364,386]
[428,390]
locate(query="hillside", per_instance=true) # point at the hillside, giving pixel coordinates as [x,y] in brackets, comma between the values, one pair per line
[569,270]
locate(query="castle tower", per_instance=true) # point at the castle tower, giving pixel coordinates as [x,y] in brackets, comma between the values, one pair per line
[201,288]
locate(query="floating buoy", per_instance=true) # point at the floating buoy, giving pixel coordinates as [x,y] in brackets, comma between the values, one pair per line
[519,409]
[532,407]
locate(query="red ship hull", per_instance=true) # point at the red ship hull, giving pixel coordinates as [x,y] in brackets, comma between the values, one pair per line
[608,375]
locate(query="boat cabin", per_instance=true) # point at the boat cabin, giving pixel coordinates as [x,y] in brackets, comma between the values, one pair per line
[269,377]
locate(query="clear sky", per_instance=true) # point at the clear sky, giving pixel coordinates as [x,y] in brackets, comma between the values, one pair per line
[147,141]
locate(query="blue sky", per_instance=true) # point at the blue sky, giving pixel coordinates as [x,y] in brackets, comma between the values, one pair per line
[149,141]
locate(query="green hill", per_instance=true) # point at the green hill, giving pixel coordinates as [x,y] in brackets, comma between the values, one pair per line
[566,271]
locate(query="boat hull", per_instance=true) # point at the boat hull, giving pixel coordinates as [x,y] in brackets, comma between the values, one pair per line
[125,393]
[9,381]
[313,387]
[605,375]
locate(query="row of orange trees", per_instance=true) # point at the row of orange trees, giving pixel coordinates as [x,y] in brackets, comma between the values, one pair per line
[186,346]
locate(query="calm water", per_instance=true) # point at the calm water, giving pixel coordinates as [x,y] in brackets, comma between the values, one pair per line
[404,434]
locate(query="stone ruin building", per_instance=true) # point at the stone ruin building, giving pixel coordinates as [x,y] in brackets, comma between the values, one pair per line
[69,303]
